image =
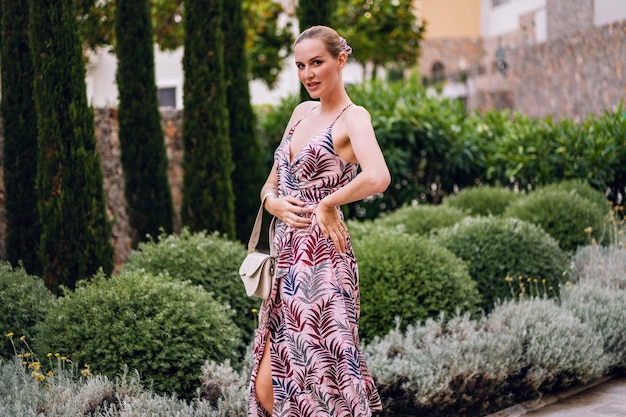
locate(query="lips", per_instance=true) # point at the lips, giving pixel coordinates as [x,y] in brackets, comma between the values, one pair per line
[312,86]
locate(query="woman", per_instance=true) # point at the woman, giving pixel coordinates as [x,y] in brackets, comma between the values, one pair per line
[307,358]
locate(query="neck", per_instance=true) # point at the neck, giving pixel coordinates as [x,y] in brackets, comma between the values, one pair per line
[334,103]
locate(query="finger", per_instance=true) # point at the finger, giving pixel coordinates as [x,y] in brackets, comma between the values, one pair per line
[339,239]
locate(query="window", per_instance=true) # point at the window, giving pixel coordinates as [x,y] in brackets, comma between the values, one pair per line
[167,97]
[438,72]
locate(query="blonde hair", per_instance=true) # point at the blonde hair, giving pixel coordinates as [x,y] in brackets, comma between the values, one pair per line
[334,43]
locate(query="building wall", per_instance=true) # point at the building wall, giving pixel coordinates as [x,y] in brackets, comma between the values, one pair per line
[607,11]
[504,18]
[572,76]
[568,17]
[450,18]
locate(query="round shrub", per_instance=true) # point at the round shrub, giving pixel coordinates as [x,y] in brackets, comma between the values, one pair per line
[569,218]
[506,257]
[604,309]
[161,327]
[409,277]
[420,219]
[483,201]
[209,260]
[557,349]
[360,228]
[583,189]
[24,302]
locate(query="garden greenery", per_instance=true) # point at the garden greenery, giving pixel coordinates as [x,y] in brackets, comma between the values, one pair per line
[569,218]
[209,260]
[161,327]
[508,258]
[409,277]
[24,302]
[420,219]
[434,147]
[483,201]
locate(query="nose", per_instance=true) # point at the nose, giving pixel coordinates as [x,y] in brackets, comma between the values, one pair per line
[308,73]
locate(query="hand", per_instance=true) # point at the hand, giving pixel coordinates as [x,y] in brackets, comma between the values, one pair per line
[290,211]
[331,226]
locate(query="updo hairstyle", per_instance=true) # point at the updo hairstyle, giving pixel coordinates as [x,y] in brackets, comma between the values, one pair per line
[334,43]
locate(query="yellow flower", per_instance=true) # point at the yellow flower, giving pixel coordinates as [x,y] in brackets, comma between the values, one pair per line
[22,338]
[85,372]
[254,310]
[57,355]
[63,358]
[50,374]
[38,376]
[508,279]
[49,355]
[543,281]
[588,229]
[35,365]
[10,334]
[27,355]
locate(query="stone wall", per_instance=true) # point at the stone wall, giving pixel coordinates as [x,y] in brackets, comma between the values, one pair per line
[568,17]
[113,182]
[455,54]
[572,76]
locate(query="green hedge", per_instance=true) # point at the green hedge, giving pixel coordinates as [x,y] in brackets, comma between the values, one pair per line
[408,277]
[24,302]
[434,147]
[506,257]
[209,260]
[420,219]
[583,189]
[482,201]
[569,218]
[162,328]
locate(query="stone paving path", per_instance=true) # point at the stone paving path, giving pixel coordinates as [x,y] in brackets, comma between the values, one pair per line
[606,399]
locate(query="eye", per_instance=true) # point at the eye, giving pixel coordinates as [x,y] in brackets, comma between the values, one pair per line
[317,62]
[299,65]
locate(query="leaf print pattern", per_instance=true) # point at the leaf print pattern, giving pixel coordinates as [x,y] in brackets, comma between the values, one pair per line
[311,318]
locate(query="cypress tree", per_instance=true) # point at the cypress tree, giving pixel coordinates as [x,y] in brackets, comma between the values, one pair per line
[311,13]
[208,199]
[75,238]
[249,174]
[20,138]
[148,195]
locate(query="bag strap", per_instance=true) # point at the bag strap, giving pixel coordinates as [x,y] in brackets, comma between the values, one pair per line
[256,231]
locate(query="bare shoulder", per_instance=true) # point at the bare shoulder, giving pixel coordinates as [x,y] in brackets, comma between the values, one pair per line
[357,114]
[303,108]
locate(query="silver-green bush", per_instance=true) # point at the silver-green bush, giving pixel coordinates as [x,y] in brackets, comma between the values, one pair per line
[604,309]
[558,349]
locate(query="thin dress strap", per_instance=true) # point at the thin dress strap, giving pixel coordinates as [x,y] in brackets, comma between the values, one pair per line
[340,113]
[301,119]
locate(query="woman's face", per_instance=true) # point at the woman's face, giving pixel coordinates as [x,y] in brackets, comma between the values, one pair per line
[318,71]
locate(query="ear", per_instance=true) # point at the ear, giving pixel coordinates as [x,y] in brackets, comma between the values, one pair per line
[343,60]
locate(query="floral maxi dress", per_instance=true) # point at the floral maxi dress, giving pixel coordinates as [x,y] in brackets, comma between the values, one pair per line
[311,316]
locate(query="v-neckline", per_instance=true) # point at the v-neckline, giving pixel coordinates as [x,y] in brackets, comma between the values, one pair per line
[294,156]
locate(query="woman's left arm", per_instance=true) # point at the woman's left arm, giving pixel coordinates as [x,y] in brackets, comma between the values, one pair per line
[373,178]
